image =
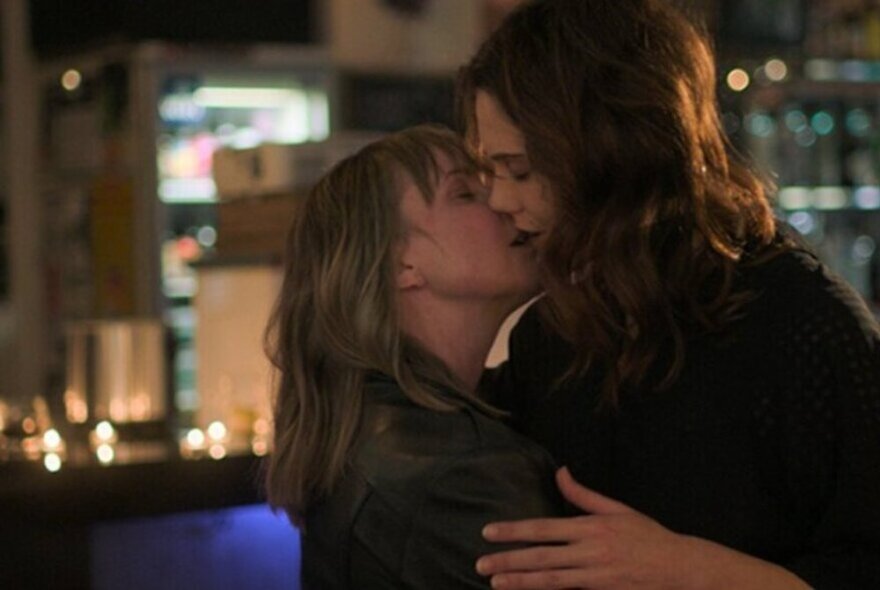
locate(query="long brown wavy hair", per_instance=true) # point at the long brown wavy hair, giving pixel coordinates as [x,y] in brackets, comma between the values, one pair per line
[654,210]
[336,318]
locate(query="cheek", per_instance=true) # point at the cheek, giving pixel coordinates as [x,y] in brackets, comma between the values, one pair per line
[541,204]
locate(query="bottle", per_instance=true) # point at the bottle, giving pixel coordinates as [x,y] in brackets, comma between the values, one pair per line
[825,123]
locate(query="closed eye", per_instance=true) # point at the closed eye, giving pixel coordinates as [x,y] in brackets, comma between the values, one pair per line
[519,168]
[519,177]
[512,166]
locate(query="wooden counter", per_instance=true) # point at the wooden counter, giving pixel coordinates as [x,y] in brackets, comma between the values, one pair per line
[45,518]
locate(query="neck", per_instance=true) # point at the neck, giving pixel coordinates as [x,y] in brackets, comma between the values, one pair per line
[458,333]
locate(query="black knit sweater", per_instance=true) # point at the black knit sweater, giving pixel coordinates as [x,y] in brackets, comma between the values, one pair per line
[769,441]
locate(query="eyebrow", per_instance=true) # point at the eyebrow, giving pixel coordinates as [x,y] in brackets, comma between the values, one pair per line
[455,171]
[460,171]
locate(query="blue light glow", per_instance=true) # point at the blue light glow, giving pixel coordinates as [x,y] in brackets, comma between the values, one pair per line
[795,120]
[823,123]
[243,547]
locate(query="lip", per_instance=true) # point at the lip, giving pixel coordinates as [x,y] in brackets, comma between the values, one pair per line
[524,238]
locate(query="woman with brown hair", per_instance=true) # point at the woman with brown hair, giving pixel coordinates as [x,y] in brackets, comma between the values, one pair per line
[713,388]
[396,279]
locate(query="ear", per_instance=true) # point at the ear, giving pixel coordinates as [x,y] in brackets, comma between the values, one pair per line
[409,277]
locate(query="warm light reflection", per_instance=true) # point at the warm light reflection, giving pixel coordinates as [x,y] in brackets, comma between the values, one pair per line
[217,431]
[261,426]
[776,70]
[260,443]
[260,447]
[119,409]
[51,440]
[738,80]
[105,453]
[71,80]
[28,425]
[30,447]
[52,462]
[104,431]
[195,438]
[76,407]
[140,406]
[217,451]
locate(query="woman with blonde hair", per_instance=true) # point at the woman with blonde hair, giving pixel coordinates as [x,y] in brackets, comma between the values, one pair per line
[397,277]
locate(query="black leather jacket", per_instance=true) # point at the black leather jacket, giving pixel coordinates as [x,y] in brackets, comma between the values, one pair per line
[422,484]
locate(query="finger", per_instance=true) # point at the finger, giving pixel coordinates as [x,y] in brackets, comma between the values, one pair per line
[545,557]
[546,580]
[586,499]
[536,530]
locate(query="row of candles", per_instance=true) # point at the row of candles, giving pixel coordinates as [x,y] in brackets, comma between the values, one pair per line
[195,443]
[214,440]
[52,448]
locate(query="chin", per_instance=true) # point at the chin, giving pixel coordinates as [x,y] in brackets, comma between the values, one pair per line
[523,296]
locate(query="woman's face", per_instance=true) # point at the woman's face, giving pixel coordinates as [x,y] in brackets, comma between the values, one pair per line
[515,188]
[461,248]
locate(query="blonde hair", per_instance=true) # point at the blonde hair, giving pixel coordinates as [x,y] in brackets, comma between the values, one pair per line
[336,317]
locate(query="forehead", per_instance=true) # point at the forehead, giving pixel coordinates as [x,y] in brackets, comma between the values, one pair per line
[414,205]
[446,163]
[495,128]
[429,173]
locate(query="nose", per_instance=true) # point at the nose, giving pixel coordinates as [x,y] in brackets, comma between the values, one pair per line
[503,197]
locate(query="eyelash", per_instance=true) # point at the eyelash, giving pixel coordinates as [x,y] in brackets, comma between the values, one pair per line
[516,177]
[518,171]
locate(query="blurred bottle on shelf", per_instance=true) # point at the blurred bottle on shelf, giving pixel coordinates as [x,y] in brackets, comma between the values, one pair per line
[762,139]
[824,122]
[796,141]
[844,29]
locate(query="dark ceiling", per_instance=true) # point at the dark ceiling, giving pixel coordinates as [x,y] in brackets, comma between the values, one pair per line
[64,26]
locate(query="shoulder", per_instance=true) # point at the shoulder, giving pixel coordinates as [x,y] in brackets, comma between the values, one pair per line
[402,447]
[817,341]
[434,479]
[796,292]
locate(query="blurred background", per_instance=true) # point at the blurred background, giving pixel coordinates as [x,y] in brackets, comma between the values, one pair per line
[152,154]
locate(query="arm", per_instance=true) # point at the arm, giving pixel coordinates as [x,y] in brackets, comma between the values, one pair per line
[826,440]
[832,440]
[613,546]
[487,485]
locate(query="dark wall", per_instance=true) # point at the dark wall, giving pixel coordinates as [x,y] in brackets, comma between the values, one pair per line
[58,26]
